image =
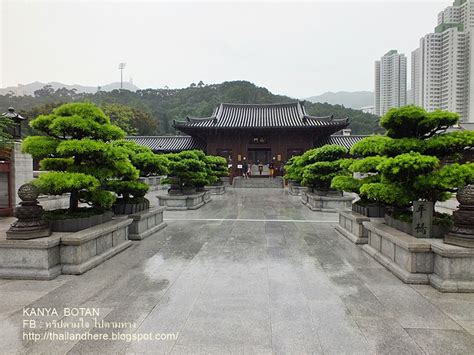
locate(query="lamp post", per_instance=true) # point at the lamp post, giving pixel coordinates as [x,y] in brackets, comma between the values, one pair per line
[121,67]
[17,119]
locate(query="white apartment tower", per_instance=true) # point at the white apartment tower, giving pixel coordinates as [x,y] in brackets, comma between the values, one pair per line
[442,65]
[390,82]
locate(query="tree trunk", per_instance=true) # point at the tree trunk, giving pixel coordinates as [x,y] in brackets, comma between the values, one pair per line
[74,201]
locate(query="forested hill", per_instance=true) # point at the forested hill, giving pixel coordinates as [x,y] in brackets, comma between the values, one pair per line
[163,105]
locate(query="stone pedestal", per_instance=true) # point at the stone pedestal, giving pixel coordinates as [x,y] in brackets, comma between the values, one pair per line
[351,227]
[182,202]
[30,223]
[326,203]
[146,223]
[462,233]
[84,250]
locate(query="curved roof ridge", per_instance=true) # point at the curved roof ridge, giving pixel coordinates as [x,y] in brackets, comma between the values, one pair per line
[200,119]
[293,103]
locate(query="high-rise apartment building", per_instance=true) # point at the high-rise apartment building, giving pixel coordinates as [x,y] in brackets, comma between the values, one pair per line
[390,82]
[441,67]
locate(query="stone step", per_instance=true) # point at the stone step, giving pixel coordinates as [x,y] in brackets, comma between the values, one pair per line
[240,182]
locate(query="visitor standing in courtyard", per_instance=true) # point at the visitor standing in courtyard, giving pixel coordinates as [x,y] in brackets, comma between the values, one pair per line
[245,170]
[271,168]
[260,168]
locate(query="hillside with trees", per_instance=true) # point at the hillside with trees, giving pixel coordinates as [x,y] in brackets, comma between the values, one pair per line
[152,111]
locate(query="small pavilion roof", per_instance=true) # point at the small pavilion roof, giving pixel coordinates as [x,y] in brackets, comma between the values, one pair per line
[168,144]
[341,140]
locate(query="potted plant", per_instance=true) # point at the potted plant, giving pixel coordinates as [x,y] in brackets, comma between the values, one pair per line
[130,190]
[187,170]
[410,161]
[217,169]
[323,164]
[187,173]
[79,159]
[357,172]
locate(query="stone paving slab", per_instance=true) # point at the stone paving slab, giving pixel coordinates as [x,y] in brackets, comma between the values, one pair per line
[240,276]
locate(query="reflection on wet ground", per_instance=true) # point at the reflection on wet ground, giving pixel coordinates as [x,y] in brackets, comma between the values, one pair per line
[253,271]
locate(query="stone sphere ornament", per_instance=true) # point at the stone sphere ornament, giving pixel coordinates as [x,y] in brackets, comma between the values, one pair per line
[465,196]
[28,193]
[30,223]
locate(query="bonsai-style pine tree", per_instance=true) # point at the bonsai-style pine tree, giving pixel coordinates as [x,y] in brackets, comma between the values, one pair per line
[294,169]
[217,168]
[325,163]
[416,159]
[147,163]
[187,169]
[77,154]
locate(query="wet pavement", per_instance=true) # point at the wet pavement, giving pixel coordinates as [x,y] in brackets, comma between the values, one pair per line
[253,271]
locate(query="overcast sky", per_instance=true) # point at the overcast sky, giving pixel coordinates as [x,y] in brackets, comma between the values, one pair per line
[293,48]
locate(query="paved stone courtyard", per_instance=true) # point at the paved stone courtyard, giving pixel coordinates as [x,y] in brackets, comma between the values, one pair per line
[254,271]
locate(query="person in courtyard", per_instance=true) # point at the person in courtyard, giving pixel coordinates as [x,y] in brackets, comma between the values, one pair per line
[271,168]
[260,168]
[245,170]
[249,172]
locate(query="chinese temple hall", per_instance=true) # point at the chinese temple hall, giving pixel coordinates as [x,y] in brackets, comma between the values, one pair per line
[253,133]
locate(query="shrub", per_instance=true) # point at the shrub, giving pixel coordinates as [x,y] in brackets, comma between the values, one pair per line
[406,164]
[217,168]
[321,165]
[76,150]
[187,169]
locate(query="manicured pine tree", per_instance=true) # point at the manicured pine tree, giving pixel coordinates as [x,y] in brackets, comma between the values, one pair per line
[416,159]
[77,155]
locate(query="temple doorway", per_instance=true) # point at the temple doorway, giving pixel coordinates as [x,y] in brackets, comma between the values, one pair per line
[256,155]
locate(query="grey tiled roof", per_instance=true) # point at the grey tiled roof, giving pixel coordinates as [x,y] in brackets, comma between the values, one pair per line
[343,141]
[168,143]
[288,115]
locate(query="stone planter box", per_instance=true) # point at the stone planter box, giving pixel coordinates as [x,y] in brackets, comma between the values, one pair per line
[297,190]
[207,196]
[453,268]
[326,203]
[225,180]
[351,227]
[63,253]
[130,208]
[376,211]
[151,181]
[448,268]
[409,258]
[146,223]
[406,227]
[78,224]
[182,202]
[84,250]
[216,189]
[32,259]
